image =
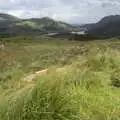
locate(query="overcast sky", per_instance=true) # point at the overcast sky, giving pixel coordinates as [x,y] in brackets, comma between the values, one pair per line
[71,11]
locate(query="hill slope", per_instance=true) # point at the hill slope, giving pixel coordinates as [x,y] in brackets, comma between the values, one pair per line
[7,17]
[12,25]
[109,26]
[46,24]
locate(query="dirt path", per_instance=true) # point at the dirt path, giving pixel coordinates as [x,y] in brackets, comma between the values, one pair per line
[33,77]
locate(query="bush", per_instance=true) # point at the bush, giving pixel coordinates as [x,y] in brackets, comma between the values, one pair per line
[85,37]
[115,80]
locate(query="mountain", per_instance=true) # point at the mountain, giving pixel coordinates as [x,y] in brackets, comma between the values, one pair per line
[107,27]
[7,17]
[46,24]
[11,25]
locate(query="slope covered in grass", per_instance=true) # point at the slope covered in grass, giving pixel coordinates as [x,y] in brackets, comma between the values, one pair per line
[85,87]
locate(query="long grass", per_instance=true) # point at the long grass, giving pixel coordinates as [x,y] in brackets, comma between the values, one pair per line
[85,88]
[75,95]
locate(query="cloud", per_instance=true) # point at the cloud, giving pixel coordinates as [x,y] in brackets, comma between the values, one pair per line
[72,11]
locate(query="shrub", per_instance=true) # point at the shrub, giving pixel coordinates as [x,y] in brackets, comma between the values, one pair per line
[84,37]
[115,80]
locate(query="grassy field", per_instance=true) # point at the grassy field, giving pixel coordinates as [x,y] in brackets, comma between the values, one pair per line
[82,82]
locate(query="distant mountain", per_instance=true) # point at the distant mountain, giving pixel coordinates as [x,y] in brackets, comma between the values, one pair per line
[12,25]
[4,17]
[46,24]
[107,27]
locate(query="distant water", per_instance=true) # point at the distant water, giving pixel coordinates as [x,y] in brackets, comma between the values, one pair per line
[51,34]
[79,33]
[65,34]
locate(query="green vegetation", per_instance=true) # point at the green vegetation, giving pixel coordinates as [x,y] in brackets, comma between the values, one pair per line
[45,24]
[82,82]
[28,24]
[84,37]
[10,25]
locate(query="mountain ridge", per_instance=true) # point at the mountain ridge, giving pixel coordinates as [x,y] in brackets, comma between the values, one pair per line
[5,17]
[108,26]
[12,25]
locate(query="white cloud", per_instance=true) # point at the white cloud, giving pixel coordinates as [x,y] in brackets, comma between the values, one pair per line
[72,11]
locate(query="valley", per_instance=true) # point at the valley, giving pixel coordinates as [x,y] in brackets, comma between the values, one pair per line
[52,70]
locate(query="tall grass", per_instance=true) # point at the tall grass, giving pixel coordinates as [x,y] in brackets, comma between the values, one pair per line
[87,90]
[84,93]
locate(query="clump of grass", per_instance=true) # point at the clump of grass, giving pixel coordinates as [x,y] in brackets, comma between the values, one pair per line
[73,95]
[115,79]
[102,62]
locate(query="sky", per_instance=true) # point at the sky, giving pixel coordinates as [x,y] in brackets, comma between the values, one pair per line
[71,11]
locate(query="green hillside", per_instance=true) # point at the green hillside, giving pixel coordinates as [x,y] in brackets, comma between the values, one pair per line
[82,81]
[11,25]
[46,24]
[27,23]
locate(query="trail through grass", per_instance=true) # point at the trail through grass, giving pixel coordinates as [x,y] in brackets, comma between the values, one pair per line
[82,81]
